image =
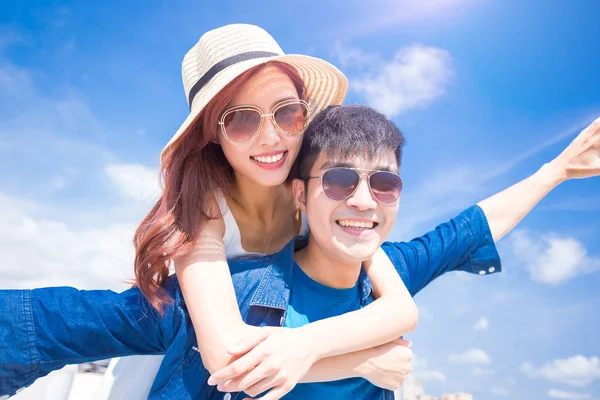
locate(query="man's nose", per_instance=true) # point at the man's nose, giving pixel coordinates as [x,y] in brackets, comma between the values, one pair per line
[362,199]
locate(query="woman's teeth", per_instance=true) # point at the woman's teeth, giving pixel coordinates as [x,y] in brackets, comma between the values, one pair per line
[268,159]
[356,224]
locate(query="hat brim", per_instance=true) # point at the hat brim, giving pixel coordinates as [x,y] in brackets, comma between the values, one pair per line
[325,85]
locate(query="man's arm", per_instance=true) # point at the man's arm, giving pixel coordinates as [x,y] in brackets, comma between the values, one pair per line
[467,242]
[581,159]
[464,243]
[43,330]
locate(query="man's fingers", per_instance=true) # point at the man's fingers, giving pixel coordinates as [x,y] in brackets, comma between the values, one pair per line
[403,342]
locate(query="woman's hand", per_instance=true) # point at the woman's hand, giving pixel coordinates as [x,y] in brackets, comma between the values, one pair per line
[276,362]
[389,365]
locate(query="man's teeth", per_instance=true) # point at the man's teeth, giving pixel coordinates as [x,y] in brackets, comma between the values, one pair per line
[268,159]
[356,224]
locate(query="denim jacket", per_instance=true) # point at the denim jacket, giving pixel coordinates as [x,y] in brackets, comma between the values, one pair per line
[42,330]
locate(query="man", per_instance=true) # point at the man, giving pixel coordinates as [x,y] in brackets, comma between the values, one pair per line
[348,187]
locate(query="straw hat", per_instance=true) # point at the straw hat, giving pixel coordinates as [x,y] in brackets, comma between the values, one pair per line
[222,54]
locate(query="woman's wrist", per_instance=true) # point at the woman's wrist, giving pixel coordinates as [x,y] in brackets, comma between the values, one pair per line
[314,338]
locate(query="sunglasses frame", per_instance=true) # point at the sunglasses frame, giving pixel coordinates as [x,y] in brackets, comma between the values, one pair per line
[276,107]
[360,177]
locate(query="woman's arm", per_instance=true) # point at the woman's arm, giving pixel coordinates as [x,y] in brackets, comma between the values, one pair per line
[275,360]
[394,313]
[385,366]
[207,288]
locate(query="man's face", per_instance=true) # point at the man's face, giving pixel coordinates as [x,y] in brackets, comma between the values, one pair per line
[354,228]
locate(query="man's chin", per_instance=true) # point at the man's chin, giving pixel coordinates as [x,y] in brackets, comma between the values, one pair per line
[356,254]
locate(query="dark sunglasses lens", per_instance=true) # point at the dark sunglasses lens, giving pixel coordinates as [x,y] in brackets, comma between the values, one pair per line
[241,125]
[386,186]
[291,118]
[340,183]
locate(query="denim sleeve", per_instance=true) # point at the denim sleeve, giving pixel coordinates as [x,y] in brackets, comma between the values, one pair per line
[43,330]
[464,243]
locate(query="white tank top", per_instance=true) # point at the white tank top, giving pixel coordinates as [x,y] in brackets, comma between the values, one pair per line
[132,377]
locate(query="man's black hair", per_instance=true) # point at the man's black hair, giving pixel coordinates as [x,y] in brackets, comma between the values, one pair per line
[345,131]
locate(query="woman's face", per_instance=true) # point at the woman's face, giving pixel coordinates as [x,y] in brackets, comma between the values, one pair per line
[268,157]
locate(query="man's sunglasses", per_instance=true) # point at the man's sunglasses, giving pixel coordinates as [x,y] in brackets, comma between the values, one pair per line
[340,183]
[240,124]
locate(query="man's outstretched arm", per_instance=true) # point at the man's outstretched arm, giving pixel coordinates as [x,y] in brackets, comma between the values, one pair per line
[42,330]
[581,159]
[466,242]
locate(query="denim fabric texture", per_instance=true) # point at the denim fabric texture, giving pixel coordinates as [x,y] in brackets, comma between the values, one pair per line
[42,330]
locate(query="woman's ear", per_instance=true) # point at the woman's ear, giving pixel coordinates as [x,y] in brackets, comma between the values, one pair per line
[299,192]
[215,139]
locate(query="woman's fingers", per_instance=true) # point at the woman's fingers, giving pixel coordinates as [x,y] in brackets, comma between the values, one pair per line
[236,368]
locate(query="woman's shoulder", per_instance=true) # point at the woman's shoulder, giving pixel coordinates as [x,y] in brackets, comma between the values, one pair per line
[215,226]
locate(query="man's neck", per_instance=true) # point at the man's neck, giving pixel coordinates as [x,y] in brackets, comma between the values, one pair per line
[325,268]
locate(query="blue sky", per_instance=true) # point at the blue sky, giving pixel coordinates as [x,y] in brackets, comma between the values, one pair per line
[485,92]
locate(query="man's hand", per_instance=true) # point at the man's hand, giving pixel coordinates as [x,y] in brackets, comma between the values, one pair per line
[581,159]
[277,363]
[390,365]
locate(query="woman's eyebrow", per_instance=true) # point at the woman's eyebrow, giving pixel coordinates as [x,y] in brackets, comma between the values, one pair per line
[284,99]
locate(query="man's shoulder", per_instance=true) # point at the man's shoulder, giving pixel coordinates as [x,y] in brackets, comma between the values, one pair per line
[249,268]
[255,265]
[393,249]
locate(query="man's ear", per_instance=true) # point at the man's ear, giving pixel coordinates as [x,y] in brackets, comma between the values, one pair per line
[299,192]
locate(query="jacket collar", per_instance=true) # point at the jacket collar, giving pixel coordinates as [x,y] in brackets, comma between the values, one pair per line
[274,288]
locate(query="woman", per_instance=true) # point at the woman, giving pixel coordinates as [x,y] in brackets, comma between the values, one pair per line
[225,195]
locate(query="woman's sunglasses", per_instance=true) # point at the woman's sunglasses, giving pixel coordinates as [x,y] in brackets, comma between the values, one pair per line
[340,183]
[240,124]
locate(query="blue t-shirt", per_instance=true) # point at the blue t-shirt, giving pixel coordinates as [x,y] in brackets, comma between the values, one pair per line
[311,301]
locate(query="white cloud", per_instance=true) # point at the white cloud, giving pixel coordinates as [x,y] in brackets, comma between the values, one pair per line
[413,79]
[377,15]
[422,373]
[560,394]
[50,143]
[473,356]
[551,258]
[500,391]
[482,324]
[354,57]
[431,375]
[575,371]
[45,252]
[480,371]
[135,181]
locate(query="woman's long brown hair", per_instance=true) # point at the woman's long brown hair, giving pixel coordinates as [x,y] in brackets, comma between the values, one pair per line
[193,169]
